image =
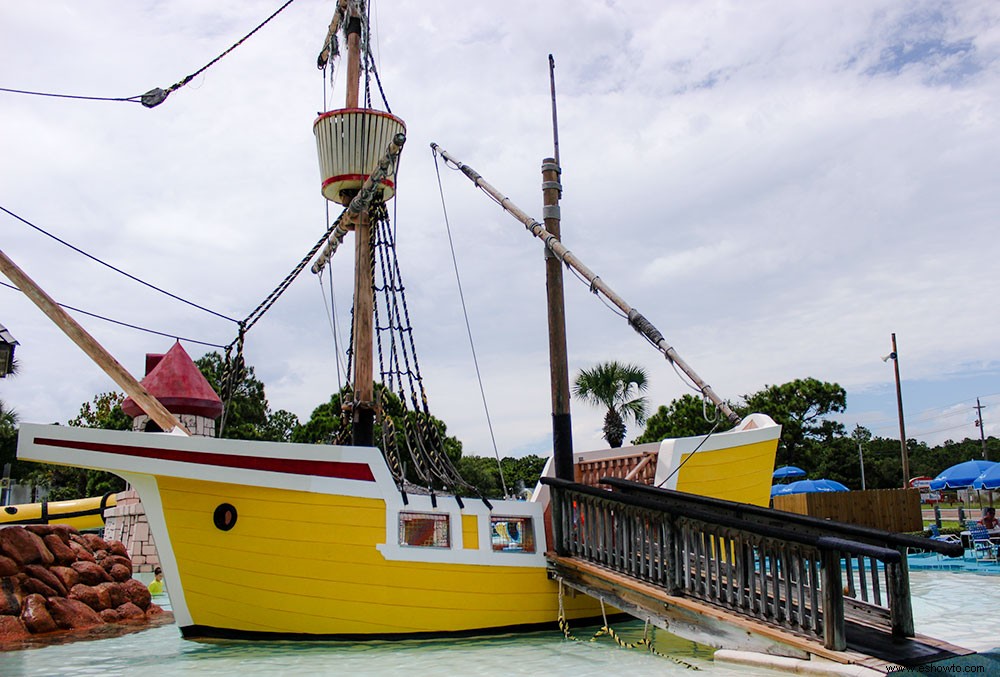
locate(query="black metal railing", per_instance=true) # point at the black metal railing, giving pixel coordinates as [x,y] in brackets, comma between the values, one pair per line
[803,574]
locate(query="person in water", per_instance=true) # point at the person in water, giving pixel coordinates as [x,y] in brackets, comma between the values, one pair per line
[989,518]
[156,585]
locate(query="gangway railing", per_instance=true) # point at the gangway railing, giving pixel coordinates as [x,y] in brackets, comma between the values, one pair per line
[802,574]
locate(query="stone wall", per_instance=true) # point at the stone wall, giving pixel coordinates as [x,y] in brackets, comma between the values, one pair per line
[201,426]
[126,522]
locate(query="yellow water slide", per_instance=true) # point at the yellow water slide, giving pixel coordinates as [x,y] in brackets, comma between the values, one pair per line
[82,513]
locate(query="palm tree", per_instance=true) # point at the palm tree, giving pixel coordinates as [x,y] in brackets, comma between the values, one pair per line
[613,385]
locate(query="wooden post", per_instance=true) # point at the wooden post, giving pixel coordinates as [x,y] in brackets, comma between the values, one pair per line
[363,414]
[89,345]
[904,455]
[562,427]
[900,603]
[558,533]
[363,417]
[353,59]
[834,632]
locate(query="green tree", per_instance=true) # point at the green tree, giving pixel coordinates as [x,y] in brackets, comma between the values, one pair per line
[67,482]
[614,386]
[8,435]
[248,415]
[686,416]
[800,407]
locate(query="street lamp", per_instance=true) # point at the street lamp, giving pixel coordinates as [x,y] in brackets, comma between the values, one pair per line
[7,344]
[894,356]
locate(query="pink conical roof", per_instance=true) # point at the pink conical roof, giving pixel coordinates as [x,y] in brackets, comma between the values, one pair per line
[176,381]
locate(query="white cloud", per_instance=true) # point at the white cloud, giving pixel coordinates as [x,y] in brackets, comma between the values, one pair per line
[777,186]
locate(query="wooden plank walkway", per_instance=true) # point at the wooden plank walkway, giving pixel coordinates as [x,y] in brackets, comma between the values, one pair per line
[867,646]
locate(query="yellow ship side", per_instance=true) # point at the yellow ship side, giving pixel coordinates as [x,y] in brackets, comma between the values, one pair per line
[741,474]
[308,563]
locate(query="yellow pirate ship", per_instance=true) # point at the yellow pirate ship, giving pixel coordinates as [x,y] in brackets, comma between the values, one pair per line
[309,541]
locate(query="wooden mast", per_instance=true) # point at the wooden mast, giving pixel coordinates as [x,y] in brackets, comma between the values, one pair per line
[562,426]
[363,414]
[152,406]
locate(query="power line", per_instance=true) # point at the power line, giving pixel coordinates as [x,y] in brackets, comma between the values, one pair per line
[126,324]
[117,270]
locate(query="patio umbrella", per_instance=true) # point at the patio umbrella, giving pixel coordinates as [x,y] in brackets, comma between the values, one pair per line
[990,479]
[809,487]
[786,471]
[960,475]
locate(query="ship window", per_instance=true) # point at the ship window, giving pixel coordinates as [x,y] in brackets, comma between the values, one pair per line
[424,530]
[512,534]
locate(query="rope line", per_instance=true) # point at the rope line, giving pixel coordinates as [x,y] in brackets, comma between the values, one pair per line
[126,324]
[468,325]
[128,99]
[117,270]
[646,643]
[156,96]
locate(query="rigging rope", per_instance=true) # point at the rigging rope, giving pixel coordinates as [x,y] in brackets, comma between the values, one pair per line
[156,96]
[468,325]
[128,99]
[646,642]
[126,324]
[117,270]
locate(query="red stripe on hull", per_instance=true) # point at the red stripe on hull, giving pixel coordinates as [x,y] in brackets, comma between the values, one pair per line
[338,469]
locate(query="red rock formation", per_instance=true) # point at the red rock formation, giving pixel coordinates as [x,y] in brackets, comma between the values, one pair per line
[81,552]
[38,572]
[8,567]
[137,593]
[35,614]
[94,542]
[24,547]
[73,614]
[91,573]
[12,629]
[67,575]
[34,582]
[129,611]
[62,552]
[120,573]
[108,562]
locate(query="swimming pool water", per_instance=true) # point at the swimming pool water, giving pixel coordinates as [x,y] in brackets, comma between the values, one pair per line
[958,607]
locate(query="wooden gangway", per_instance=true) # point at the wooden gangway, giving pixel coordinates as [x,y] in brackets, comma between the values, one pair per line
[742,576]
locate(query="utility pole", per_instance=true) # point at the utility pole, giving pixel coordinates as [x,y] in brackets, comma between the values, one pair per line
[894,356]
[979,424]
[860,435]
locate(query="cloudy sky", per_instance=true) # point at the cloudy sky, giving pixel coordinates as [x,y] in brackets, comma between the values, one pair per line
[777,186]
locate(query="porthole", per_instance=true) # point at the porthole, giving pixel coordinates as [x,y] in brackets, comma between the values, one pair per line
[225,517]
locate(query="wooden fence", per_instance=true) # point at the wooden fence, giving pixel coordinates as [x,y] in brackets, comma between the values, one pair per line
[791,571]
[896,510]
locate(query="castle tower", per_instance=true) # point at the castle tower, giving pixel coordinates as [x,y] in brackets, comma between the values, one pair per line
[175,380]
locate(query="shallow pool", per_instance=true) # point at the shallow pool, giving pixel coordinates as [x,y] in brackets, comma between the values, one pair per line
[958,607]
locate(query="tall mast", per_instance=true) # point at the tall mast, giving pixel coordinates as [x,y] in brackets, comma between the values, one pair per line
[363,415]
[562,427]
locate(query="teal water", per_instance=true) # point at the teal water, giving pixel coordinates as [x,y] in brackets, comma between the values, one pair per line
[958,607]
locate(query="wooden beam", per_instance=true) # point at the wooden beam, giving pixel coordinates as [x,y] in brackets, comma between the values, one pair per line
[89,345]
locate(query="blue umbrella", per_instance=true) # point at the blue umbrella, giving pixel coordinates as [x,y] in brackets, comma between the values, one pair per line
[990,479]
[960,475]
[808,487]
[786,471]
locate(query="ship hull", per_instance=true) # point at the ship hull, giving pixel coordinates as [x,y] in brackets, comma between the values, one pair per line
[294,541]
